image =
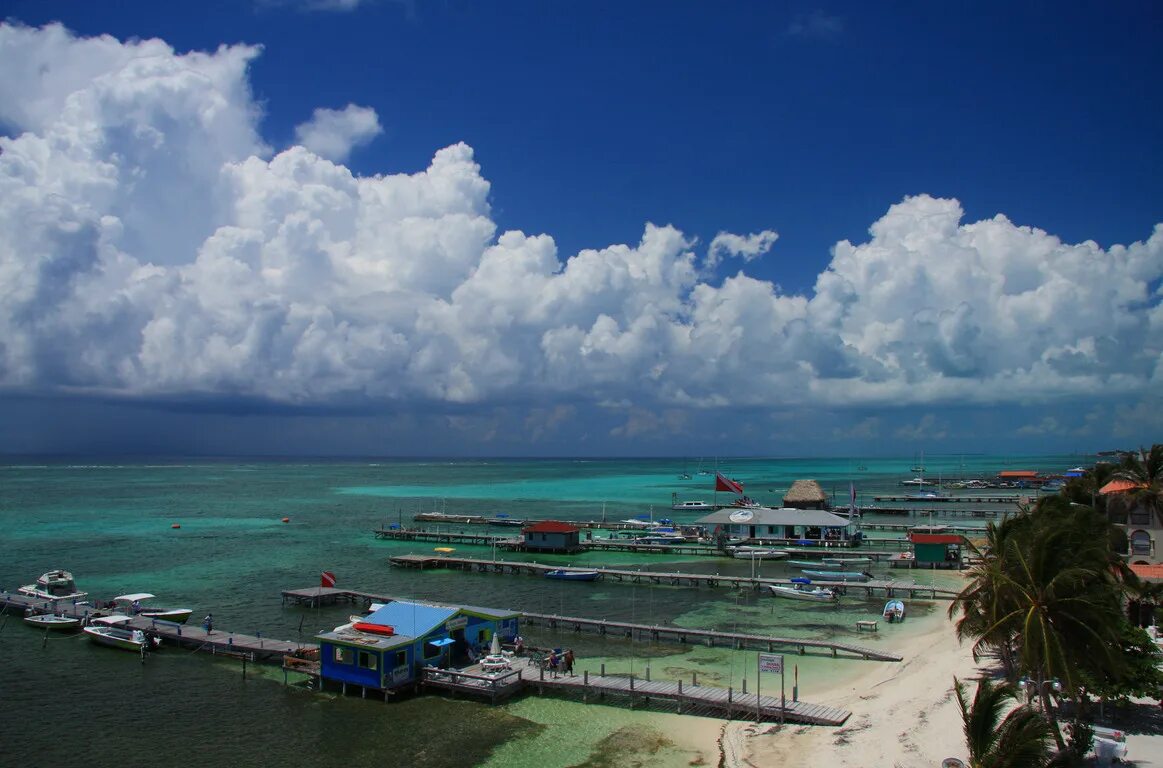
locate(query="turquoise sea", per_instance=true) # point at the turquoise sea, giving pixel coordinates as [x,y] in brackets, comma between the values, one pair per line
[64,701]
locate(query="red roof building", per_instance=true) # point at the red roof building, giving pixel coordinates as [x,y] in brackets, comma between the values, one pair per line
[552,536]
[1119,486]
[551,526]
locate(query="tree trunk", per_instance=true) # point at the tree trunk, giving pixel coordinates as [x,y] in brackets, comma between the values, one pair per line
[1048,710]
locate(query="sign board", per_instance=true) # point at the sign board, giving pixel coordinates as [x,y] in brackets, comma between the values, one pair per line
[741,516]
[771,662]
[459,622]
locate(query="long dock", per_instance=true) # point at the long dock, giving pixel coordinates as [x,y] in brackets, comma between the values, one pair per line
[217,641]
[890,588]
[526,674]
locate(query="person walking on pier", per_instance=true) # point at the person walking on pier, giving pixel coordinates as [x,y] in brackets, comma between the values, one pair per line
[568,661]
[208,623]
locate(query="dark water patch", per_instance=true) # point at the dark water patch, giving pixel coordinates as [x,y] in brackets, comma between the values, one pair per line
[627,748]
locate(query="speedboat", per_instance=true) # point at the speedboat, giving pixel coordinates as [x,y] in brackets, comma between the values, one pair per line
[758,553]
[51,621]
[54,585]
[692,506]
[802,589]
[108,631]
[661,538]
[569,575]
[838,575]
[894,610]
[918,481]
[132,603]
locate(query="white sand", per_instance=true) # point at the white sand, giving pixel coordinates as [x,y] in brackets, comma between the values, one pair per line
[903,714]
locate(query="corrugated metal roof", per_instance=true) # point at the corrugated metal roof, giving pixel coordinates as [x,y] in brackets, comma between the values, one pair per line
[936,538]
[782,516]
[415,619]
[552,526]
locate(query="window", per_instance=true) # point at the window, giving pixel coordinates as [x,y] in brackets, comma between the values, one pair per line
[1140,516]
[431,651]
[1140,543]
[342,655]
[401,658]
[368,660]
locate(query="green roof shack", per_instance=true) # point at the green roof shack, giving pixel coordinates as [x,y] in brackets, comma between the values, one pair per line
[937,550]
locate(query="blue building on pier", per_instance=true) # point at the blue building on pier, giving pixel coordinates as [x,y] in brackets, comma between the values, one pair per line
[386,649]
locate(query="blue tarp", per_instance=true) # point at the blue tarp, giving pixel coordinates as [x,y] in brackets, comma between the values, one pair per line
[442,642]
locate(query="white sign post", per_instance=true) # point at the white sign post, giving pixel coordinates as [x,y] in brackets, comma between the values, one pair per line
[770,662]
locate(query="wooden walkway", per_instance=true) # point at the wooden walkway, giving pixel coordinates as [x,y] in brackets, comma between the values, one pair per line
[709,637]
[526,674]
[889,588]
[217,642]
[645,632]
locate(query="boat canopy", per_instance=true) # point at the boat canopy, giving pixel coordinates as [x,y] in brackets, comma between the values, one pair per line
[133,598]
[113,620]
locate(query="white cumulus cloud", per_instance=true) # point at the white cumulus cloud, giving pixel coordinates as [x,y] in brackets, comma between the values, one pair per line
[333,133]
[749,247]
[152,246]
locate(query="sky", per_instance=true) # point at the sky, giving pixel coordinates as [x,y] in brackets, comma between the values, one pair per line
[451,228]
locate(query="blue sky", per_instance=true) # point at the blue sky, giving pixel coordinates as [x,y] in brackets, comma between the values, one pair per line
[585,123]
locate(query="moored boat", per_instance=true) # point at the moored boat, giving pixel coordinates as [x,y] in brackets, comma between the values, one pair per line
[568,575]
[803,589]
[838,575]
[894,610]
[51,621]
[133,604]
[54,585]
[758,553]
[844,563]
[107,631]
[691,506]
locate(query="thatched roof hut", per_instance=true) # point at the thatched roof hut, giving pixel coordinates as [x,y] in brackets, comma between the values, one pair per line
[805,494]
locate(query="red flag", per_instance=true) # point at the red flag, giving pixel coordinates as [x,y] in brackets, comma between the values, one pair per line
[727,484]
[328,579]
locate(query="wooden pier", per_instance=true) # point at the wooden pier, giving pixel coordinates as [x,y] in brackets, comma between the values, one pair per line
[959,499]
[692,698]
[671,578]
[218,641]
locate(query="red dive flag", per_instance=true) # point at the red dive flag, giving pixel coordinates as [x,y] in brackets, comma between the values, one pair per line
[328,579]
[727,484]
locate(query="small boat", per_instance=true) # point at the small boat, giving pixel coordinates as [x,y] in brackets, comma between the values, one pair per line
[568,575]
[105,631]
[132,604]
[374,629]
[917,481]
[805,563]
[894,610]
[838,575]
[802,589]
[54,585]
[661,538]
[844,563]
[758,553]
[51,621]
[504,521]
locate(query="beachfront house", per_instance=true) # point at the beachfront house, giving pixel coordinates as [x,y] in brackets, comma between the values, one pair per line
[1142,528]
[937,550]
[805,494]
[552,536]
[813,526]
[1019,478]
[386,649]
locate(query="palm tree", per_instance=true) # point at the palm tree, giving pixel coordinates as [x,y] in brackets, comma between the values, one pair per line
[1145,470]
[1021,738]
[1046,592]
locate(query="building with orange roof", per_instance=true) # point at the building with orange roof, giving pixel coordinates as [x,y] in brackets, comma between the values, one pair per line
[1143,529]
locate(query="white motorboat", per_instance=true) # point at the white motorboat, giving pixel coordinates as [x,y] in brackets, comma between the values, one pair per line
[894,610]
[692,506]
[133,604]
[109,630]
[804,590]
[51,621]
[758,553]
[54,585]
[844,563]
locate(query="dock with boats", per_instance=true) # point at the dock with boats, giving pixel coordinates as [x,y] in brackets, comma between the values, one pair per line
[526,674]
[872,587]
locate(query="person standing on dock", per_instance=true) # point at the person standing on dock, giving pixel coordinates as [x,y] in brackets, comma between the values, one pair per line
[568,661]
[208,623]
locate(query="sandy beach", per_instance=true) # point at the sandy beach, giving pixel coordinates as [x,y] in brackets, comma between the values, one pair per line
[903,715]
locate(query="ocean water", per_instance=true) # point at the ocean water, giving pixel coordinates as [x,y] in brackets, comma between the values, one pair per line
[110,523]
